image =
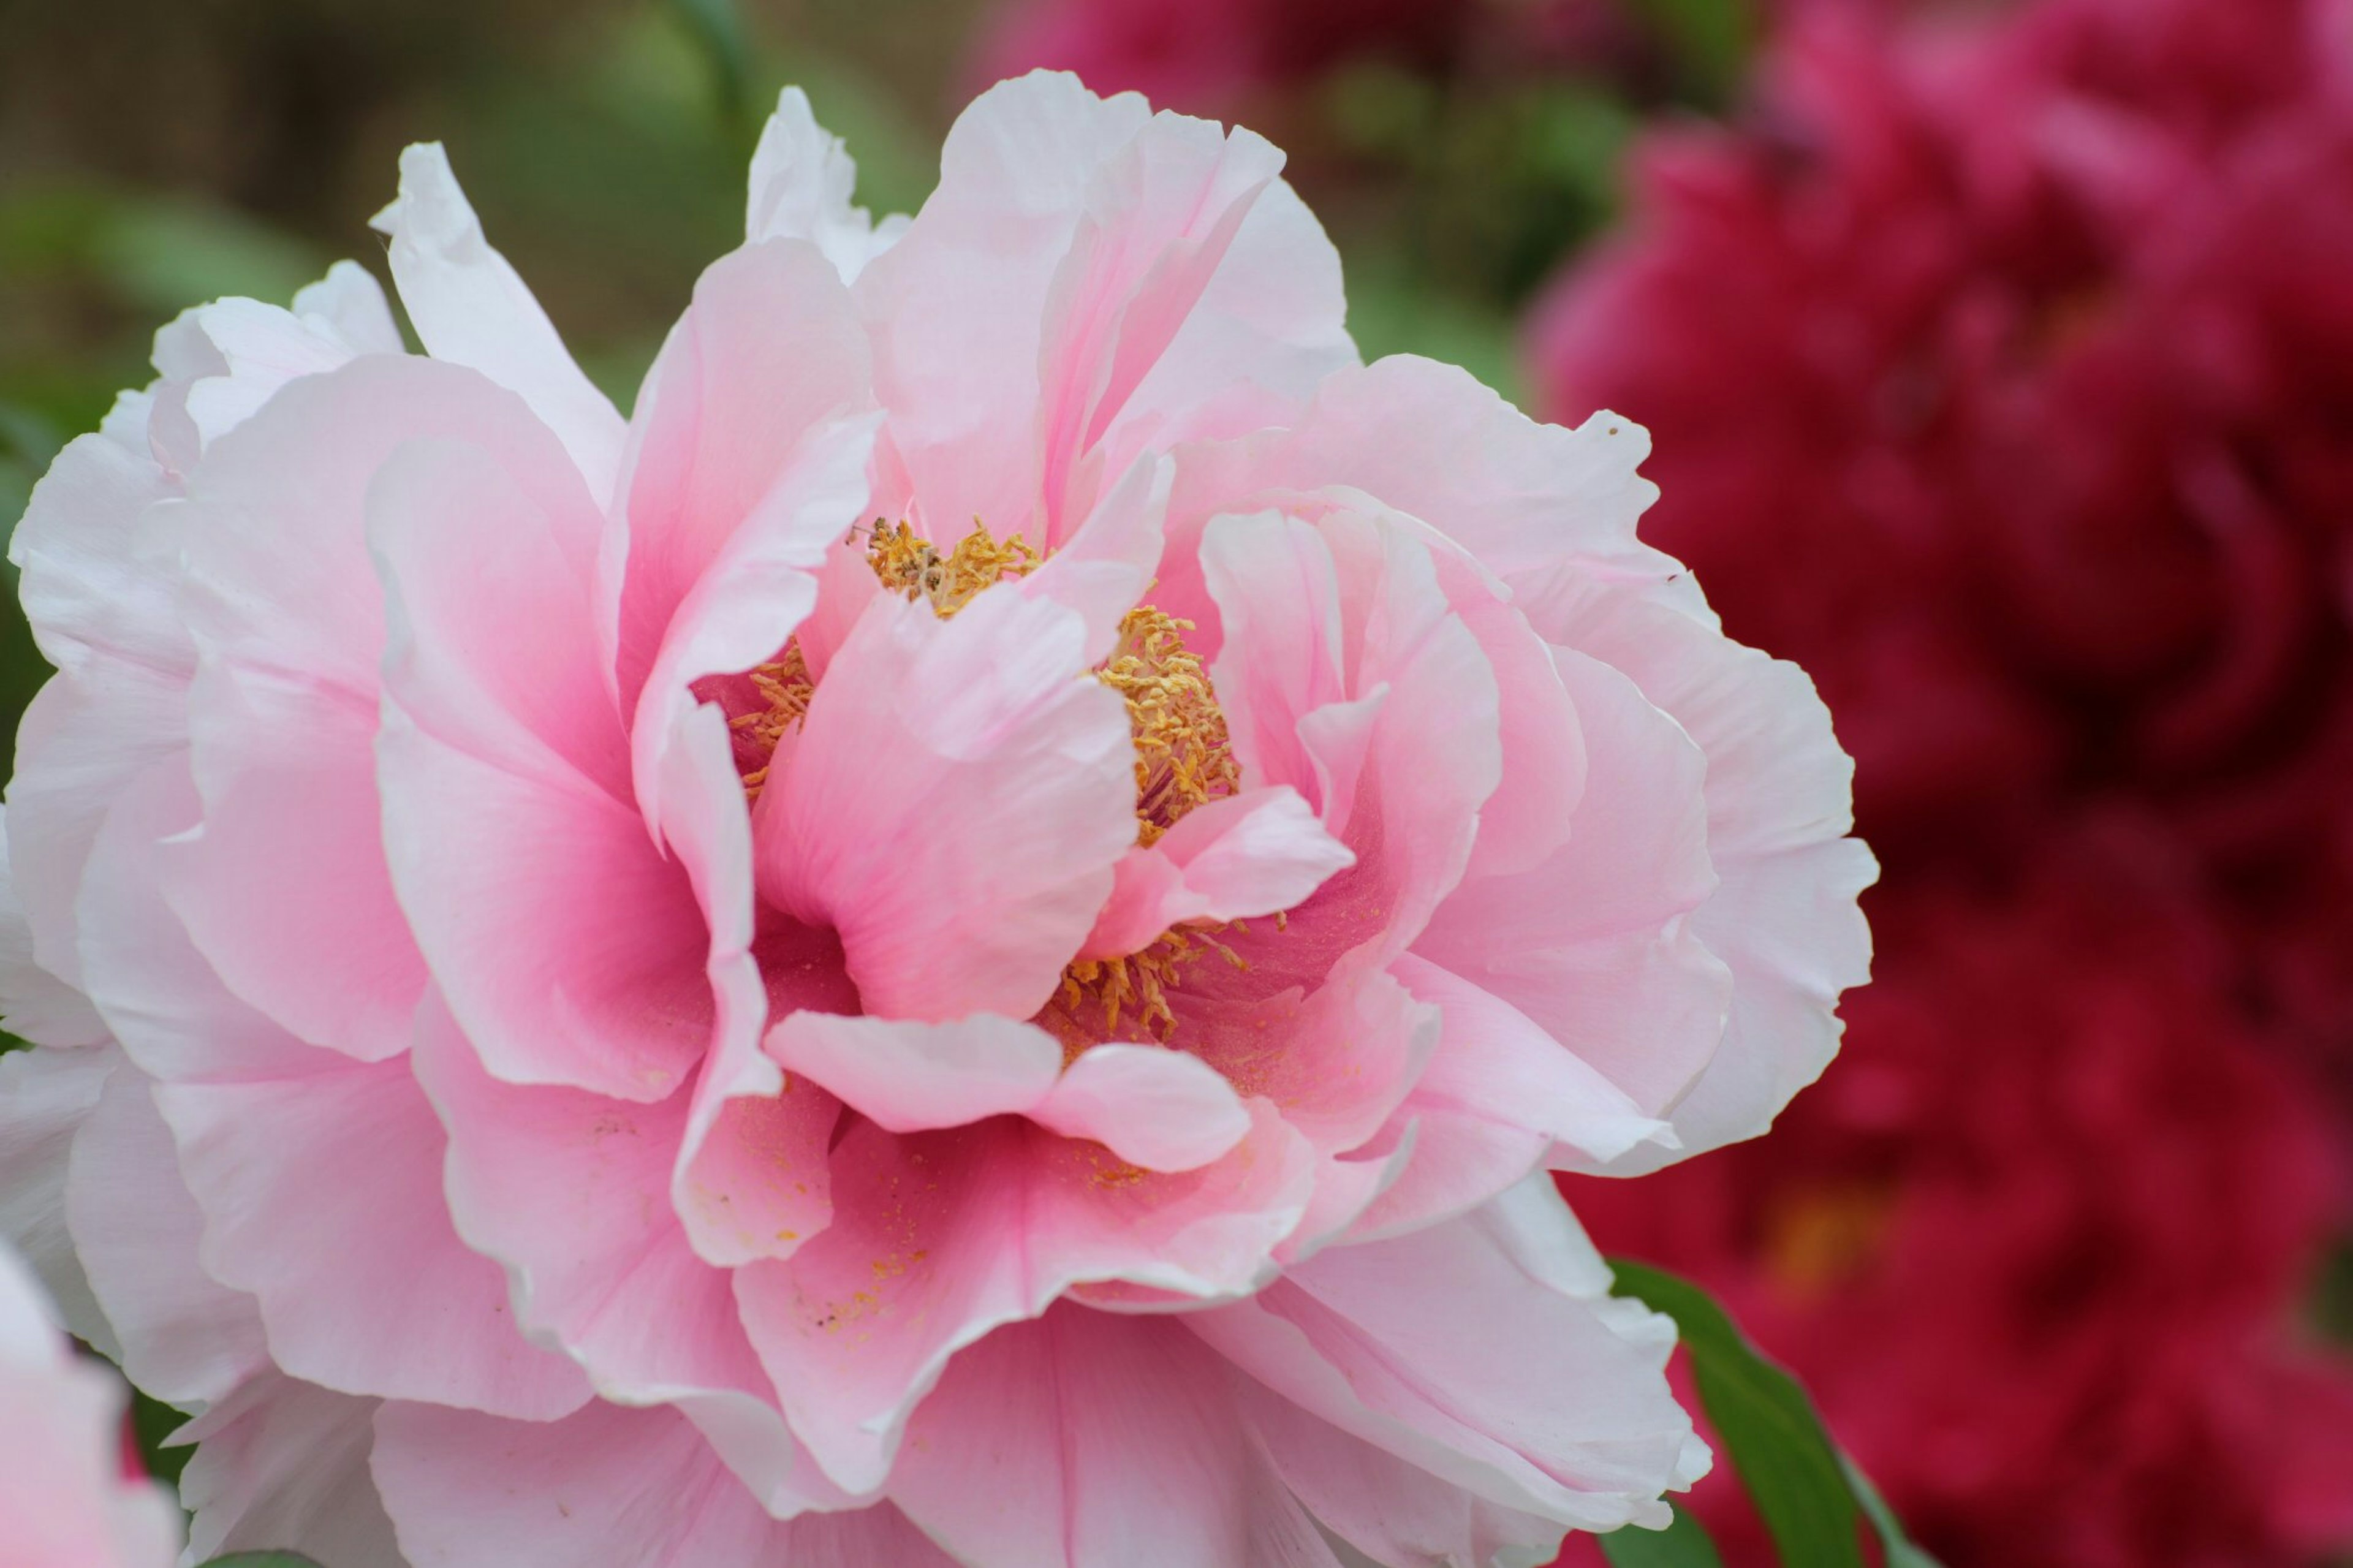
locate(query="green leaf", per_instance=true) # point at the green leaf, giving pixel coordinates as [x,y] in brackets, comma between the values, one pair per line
[261,1559]
[1811,1497]
[1685,1543]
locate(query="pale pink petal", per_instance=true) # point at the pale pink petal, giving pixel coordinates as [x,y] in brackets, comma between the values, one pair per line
[283,884]
[940,1238]
[571,1191]
[1499,1098]
[1596,945]
[802,179]
[627,1489]
[1430,440]
[1248,855]
[1559,1406]
[955,308]
[62,1491]
[952,805]
[470,307]
[97,553]
[283,1466]
[570,948]
[187,1339]
[163,1002]
[1389,706]
[1158,1108]
[221,362]
[1778,796]
[754,381]
[914,1076]
[1110,1440]
[285,887]
[322,1198]
[36,1005]
[45,1096]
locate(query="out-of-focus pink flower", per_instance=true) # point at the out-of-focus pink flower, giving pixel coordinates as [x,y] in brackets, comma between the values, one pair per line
[2004,373]
[64,1496]
[966,942]
[1217,56]
[2034,1245]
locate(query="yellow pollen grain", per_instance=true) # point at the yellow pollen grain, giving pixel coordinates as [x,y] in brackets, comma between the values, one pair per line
[1137,983]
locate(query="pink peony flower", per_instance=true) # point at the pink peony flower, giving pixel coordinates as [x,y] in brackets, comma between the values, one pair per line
[63,1492]
[966,942]
[2035,1248]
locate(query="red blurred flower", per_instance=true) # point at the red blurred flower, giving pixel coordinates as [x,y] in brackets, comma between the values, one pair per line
[2028,1244]
[1210,57]
[2003,374]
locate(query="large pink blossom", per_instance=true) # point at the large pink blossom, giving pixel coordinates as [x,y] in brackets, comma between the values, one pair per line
[63,1492]
[966,942]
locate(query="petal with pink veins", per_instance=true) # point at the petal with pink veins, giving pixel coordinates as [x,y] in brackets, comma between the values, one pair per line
[940,1238]
[609,1485]
[322,1197]
[1558,1406]
[1113,1441]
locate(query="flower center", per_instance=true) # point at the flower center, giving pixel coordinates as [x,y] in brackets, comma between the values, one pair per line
[1184,757]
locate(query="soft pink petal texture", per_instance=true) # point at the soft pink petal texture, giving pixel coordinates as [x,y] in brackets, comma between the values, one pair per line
[98,563]
[952,805]
[621,1489]
[1595,945]
[220,362]
[1248,855]
[1085,273]
[62,1491]
[45,1096]
[802,179]
[937,1238]
[1345,674]
[1390,1508]
[285,886]
[1555,1406]
[744,466]
[175,1019]
[1111,1441]
[283,1465]
[187,1339]
[34,1003]
[1430,440]
[569,946]
[1499,1098]
[1784,919]
[470,309]
[1153,1108]
[571,1191]
[322,1196]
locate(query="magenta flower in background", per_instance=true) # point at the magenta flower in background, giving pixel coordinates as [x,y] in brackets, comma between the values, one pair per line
[2002,368]
[969,941]
[2035,1246]
[2004,373]
[63,1493]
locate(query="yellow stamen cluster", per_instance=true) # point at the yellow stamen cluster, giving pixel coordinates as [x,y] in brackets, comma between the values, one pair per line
[1138,982]
[785,684]
[906,562]
[1183,757]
